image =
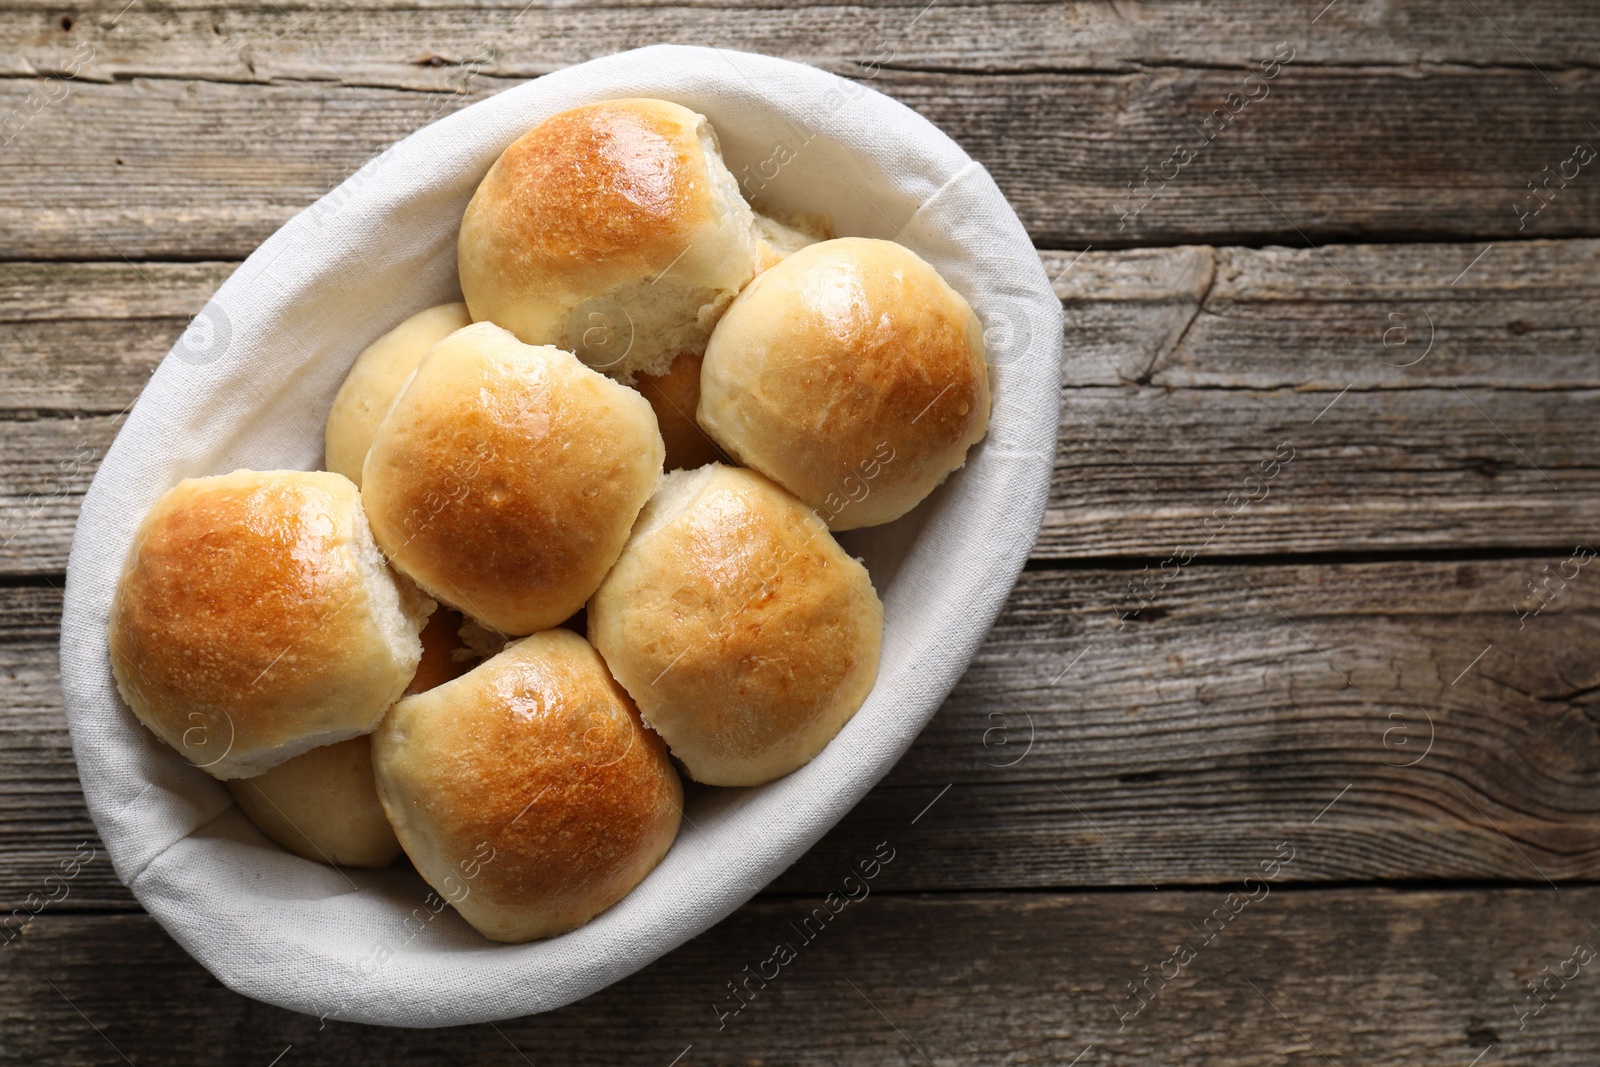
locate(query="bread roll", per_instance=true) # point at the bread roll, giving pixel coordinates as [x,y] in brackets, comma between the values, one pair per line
[255,620]
[742,630]
[527,792]
[374,380]
[850,374]
[444,654]
[613,230]
[323,804]
[505,478]
[674,396]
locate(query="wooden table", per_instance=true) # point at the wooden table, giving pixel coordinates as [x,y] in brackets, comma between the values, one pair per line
[1331,795]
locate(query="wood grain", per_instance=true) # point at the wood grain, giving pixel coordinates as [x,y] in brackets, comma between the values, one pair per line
[1082,749]
[1516,315]
[1340,976]
[196,169]
[1141,470]
[82,338]
[405,44]
[1242,702]
[1397,720]
[1185,369]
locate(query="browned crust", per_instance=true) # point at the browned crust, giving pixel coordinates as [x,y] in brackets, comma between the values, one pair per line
[607,184]
[241,622]
[674,396]
[506,477]
[441,639]
[851,374]
[742,629]
[323,804]
[528,792]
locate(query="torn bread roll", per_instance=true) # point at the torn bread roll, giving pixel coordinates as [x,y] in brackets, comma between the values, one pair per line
[505,478]
[255,619]
[675,393]
[527,792]
[613,230]
[374,381]
[744,633]
[852,375]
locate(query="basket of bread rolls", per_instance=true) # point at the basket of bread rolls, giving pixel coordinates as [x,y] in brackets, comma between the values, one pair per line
[560,526]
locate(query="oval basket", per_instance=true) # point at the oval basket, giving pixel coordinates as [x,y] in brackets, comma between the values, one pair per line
[249,385]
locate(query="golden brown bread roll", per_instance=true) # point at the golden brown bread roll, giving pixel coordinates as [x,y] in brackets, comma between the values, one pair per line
[444,654]
[742,630]
[673,396]
[255,619]
[613,230]
[323,804]
[375,379]
[505,477]
[527,792]
[850,374]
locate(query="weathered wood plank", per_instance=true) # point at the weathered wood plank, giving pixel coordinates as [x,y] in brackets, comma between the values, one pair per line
[1084,750]
[1408,458]
[45,819]
[114,291]
[1470,373]
[1221,715]
[196,169]
[410,45]
[1435,977]
[45,469]
[1140,470]
[83,337]
[1526,315]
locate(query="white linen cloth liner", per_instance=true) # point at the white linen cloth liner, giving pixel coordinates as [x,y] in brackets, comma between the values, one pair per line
[249,385]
